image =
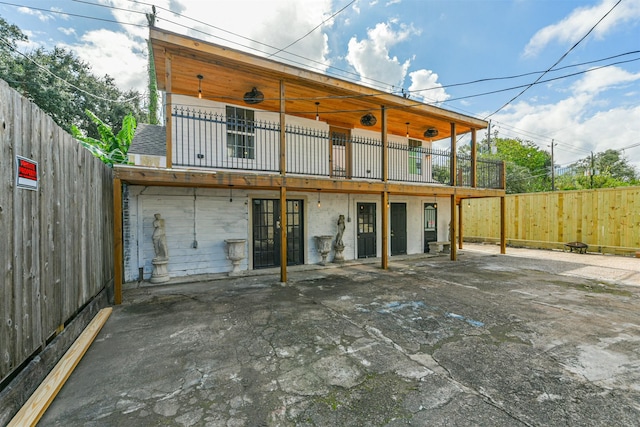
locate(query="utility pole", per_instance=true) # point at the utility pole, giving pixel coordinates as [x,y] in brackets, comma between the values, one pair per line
[489,138]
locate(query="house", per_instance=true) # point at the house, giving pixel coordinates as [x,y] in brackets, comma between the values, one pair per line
[272,155]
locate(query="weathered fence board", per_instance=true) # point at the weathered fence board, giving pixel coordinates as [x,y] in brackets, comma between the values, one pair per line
[55,242]
[608,220]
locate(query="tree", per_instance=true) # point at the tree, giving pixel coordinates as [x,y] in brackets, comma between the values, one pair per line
[603,170]
[63,86]
[111,149]
[527,165]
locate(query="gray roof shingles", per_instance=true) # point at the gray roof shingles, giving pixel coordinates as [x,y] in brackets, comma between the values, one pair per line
[149,140]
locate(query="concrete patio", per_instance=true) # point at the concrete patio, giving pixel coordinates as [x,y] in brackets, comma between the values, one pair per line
[530,338]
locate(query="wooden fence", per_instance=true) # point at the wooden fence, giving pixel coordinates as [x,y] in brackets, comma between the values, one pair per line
[56,242]
[608,220]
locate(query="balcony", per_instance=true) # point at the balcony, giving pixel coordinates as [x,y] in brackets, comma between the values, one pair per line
[211,140]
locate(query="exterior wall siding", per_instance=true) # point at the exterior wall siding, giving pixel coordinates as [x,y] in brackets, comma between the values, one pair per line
[216,218]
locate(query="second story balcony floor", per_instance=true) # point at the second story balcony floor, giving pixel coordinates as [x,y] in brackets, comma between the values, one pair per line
[227,137]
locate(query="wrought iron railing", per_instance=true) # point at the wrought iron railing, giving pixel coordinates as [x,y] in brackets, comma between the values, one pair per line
[212,140]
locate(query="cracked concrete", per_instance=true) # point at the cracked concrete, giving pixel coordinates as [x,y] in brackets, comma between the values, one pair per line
[532,338]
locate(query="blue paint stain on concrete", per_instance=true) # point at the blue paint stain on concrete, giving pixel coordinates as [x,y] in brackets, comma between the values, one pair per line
[397,306]
[472,322]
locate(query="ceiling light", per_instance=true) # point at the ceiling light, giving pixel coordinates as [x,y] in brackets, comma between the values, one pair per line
[368,120]
[431,132]
[253,97]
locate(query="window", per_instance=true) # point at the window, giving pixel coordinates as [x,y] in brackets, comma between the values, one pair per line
[240,133]
[415,157]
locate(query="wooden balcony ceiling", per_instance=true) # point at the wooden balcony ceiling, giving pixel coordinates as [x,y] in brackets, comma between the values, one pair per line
[228,74]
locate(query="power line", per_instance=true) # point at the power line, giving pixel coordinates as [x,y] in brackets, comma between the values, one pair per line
[45,69]
[314,28]
[72,14]
[557,62]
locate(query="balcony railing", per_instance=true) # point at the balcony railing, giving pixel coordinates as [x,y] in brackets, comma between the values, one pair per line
[211,140]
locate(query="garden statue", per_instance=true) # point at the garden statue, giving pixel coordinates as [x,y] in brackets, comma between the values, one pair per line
[339,244]
[160,273]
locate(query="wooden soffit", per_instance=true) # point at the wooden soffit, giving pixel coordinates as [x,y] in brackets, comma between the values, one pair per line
[228,74]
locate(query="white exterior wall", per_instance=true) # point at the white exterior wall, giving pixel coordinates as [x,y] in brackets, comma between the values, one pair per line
[266,150]
[215,219]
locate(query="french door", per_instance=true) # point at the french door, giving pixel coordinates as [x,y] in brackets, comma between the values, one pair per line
[266,233]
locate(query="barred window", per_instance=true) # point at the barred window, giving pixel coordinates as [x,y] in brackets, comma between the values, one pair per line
[240,133]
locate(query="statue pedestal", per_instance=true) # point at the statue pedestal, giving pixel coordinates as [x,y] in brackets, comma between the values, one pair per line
[235,252]
[323,246]
[160,273]
[339,256]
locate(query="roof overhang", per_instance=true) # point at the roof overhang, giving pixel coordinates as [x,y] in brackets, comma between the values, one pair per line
[228,74]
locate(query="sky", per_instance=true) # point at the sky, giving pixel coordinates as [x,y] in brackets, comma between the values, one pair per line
[565,72]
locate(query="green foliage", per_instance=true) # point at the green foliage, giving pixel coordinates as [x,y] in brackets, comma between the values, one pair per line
[63,86]
[111,149]
[606,169]
[527,165]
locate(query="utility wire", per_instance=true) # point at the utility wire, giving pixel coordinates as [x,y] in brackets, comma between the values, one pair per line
[314,28]
[45,69]
[557,62]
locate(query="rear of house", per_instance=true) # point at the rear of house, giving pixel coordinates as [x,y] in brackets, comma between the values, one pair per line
[273,155]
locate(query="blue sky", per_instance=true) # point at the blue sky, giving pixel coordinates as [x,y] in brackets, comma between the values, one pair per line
[402,44]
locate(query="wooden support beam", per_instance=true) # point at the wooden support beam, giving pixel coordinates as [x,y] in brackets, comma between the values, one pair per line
[474,159]
[283,234]
[118,260]
[137,175]
[35,407]
[385,230]
[454,158]
[503,226]
[168,120]
[452,229]
[461,206]
[283,151]
[385,144]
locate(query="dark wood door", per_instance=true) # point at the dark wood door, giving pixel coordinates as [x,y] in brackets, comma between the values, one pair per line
[398,228]
[367,230]
[266,233]
[430,224]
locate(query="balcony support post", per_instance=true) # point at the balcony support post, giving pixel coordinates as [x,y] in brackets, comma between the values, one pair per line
[454,159]
[474,159]
[453,227]
[283,151]
[168,109]
[283,233]
[385,144]
[460,228]
[385,230]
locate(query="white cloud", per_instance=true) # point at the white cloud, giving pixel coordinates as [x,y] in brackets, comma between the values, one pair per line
[580,21]
[114,54]
[599,80]
[371,58]
[582,121]
[67,31]
[44,17]
[424,85]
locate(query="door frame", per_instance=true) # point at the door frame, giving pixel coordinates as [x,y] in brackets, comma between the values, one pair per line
[375,229]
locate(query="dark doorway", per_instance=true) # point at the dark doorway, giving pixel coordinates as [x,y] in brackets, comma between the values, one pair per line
[367,230]
[430,224]
[398,228]
[266,233]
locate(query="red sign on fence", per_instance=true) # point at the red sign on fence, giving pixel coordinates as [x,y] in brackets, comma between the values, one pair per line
[26,173]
